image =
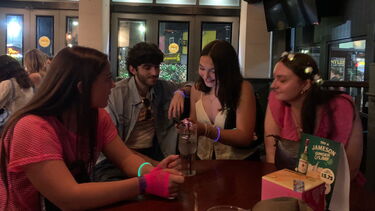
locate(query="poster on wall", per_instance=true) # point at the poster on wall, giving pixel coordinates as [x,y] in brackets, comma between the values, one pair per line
[337,68]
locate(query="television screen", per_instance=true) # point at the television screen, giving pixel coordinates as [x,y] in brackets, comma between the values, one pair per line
[300,12]
[282,14]
[276,18]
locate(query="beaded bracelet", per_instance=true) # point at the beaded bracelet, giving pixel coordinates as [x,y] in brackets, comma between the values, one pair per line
[142,184]
[181,93]
[141,166]
[218,135]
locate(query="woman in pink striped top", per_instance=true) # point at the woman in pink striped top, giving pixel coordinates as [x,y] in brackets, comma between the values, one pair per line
[49,147]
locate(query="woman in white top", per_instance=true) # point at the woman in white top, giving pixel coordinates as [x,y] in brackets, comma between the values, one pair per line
[223,105]
[15,85]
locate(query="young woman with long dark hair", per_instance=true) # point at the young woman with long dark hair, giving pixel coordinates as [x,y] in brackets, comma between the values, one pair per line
[223,105]
[49,147]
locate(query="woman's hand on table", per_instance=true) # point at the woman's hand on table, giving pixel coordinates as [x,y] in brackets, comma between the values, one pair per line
[172,165]
[171,162]
[163,182]
[176,178]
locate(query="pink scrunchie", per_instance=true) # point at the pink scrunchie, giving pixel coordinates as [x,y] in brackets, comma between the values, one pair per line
[157,182]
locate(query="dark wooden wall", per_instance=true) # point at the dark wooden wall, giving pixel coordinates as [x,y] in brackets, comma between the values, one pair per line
[350,20]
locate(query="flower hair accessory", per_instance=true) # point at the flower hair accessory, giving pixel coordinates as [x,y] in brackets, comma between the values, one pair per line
[308,70]
[316,77]
[318,80]
[289,55]
[285,53]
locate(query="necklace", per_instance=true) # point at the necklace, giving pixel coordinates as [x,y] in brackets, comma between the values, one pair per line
[297,123]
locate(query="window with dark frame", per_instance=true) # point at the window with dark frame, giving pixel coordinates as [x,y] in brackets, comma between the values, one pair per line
[14,36]
[45,34]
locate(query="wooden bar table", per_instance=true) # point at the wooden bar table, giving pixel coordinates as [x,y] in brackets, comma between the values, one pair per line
[236,183]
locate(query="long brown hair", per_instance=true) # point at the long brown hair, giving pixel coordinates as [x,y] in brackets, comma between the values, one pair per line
[59,94]
[228,76]
[35,61]
[316,96]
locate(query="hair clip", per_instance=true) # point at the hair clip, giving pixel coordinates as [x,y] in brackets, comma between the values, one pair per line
[291,56]
[308,70]
[285,53]
[318,80]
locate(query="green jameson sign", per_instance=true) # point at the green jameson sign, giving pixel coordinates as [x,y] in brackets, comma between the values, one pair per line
[319,158]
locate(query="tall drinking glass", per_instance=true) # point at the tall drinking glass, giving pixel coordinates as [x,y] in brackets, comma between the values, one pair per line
[187,145]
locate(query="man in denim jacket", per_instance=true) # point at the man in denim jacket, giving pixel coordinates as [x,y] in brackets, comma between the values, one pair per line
[142,108]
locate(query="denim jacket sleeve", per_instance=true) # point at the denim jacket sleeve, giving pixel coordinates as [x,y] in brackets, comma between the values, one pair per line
[116,106]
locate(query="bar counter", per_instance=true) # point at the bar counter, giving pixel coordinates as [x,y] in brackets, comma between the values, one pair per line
[236,183]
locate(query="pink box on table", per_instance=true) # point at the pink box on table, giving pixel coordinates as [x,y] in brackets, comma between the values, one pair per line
[281,184]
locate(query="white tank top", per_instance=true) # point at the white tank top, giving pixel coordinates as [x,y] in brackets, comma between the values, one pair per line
[207,146]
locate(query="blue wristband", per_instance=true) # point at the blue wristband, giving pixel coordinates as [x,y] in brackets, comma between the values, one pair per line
[181,92]
[218,134]
[141,166]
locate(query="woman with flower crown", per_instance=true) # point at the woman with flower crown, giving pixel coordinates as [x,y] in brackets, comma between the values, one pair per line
[297,104]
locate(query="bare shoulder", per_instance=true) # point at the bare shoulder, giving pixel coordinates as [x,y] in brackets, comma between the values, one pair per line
[194,95]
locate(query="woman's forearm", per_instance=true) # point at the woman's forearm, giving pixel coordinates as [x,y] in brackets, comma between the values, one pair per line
[269,145]
[232,137]
[91,195]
